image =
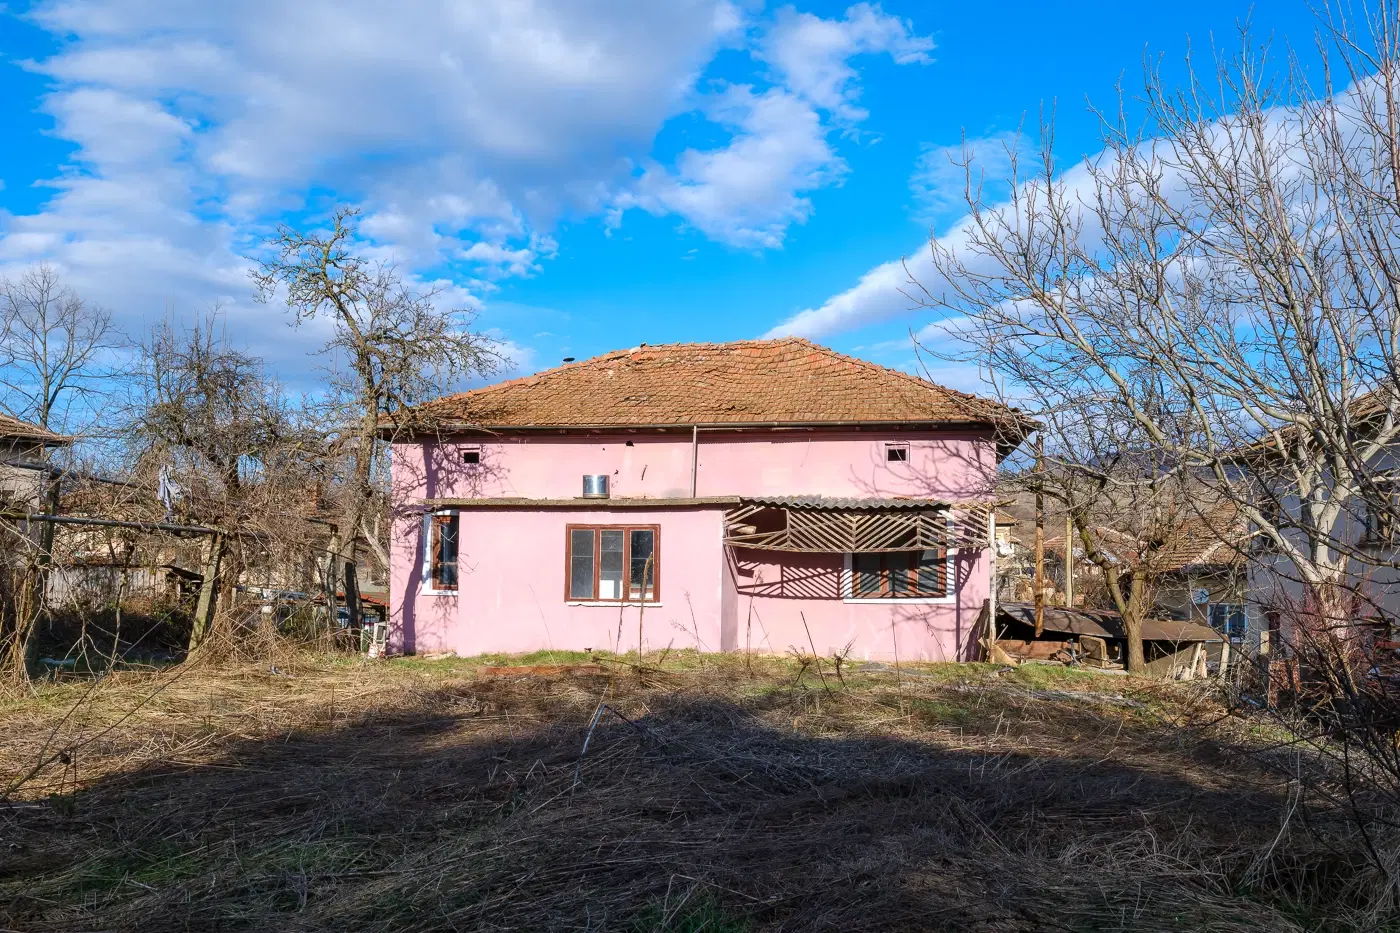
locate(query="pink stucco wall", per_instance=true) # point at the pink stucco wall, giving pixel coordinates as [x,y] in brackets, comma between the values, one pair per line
[511,567]
[511,595]
[780,463]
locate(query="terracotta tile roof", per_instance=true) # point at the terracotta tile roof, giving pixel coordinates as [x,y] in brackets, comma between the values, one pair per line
[1213,538]
[23,430]
[790,380]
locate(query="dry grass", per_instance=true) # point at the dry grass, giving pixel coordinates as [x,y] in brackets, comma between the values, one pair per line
[409,795]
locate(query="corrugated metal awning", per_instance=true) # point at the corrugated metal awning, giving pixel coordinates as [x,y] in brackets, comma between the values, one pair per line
[847,503]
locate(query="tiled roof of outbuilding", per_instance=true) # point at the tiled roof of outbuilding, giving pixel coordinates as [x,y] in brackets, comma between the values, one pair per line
[14,427]
[785,381]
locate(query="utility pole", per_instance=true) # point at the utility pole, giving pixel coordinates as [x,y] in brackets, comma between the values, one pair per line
[1039,535]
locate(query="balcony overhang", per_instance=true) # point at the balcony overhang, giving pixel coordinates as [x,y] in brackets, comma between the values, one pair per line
[817,525]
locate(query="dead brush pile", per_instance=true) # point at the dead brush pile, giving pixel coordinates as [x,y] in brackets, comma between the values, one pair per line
[414,796]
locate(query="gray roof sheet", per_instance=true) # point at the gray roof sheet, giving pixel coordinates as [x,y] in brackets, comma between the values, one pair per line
[824,502]
[1105,623]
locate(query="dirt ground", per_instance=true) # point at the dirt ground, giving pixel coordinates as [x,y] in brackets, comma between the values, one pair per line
[686,793]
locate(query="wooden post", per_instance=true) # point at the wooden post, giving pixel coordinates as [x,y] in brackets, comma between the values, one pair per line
[208,590]
[987,622]
[1069,560]
[1039,537]
[1224,657]
[992,569]
[51,490]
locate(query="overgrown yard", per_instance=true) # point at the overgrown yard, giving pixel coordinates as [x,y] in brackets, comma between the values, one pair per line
[714,794]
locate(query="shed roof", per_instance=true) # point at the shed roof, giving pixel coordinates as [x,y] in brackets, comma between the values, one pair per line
[1105,623]
[789,381]
[13,427]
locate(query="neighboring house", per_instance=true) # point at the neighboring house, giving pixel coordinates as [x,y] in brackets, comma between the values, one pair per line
[1205,572]
[763,495]
[24,456]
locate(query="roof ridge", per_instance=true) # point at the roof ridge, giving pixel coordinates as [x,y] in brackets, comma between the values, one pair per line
[909,377]
[704,382]
[619,354]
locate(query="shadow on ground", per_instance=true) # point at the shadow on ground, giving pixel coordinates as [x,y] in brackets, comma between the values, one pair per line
[475,811]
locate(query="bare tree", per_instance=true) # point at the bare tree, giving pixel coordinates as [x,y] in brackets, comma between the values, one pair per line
[1126,513]
[399,346]
[53,371]
[1223,282]
[1225,278]
[53,350]
[211,412]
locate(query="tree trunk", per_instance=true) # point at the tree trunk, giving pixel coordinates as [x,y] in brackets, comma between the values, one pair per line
[329,573]
[1132,628]
[352,605]
[1326,636]
[208,591]
[356,502]
[39,599]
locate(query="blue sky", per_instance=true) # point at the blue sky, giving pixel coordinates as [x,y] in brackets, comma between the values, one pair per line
[589,174]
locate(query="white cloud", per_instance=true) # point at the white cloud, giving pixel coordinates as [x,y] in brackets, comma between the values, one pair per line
[463,130]
[878,296]
[941,175]
[889,290]
[893,289]
[748,192]
[811,56]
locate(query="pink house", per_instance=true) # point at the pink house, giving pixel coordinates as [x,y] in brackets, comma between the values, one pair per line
[762,495]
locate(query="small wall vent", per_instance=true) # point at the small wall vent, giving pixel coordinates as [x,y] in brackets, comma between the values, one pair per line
[595,486]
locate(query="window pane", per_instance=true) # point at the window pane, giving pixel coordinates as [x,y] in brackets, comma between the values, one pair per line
[445,552]
[643,563]
[581,563]
[900,578]
[865,575]
[610,564]
[931,573]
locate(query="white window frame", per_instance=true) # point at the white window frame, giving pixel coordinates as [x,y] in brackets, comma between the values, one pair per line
[425,582]
[948,599]
[1244,613]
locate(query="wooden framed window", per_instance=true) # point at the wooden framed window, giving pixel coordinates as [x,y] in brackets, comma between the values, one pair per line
[442,538]
[612,563]
[899,575]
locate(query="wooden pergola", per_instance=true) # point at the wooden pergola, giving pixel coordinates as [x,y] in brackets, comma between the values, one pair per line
[813,524]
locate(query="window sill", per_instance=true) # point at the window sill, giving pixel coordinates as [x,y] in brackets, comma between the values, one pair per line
[426,592]
[614,603]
